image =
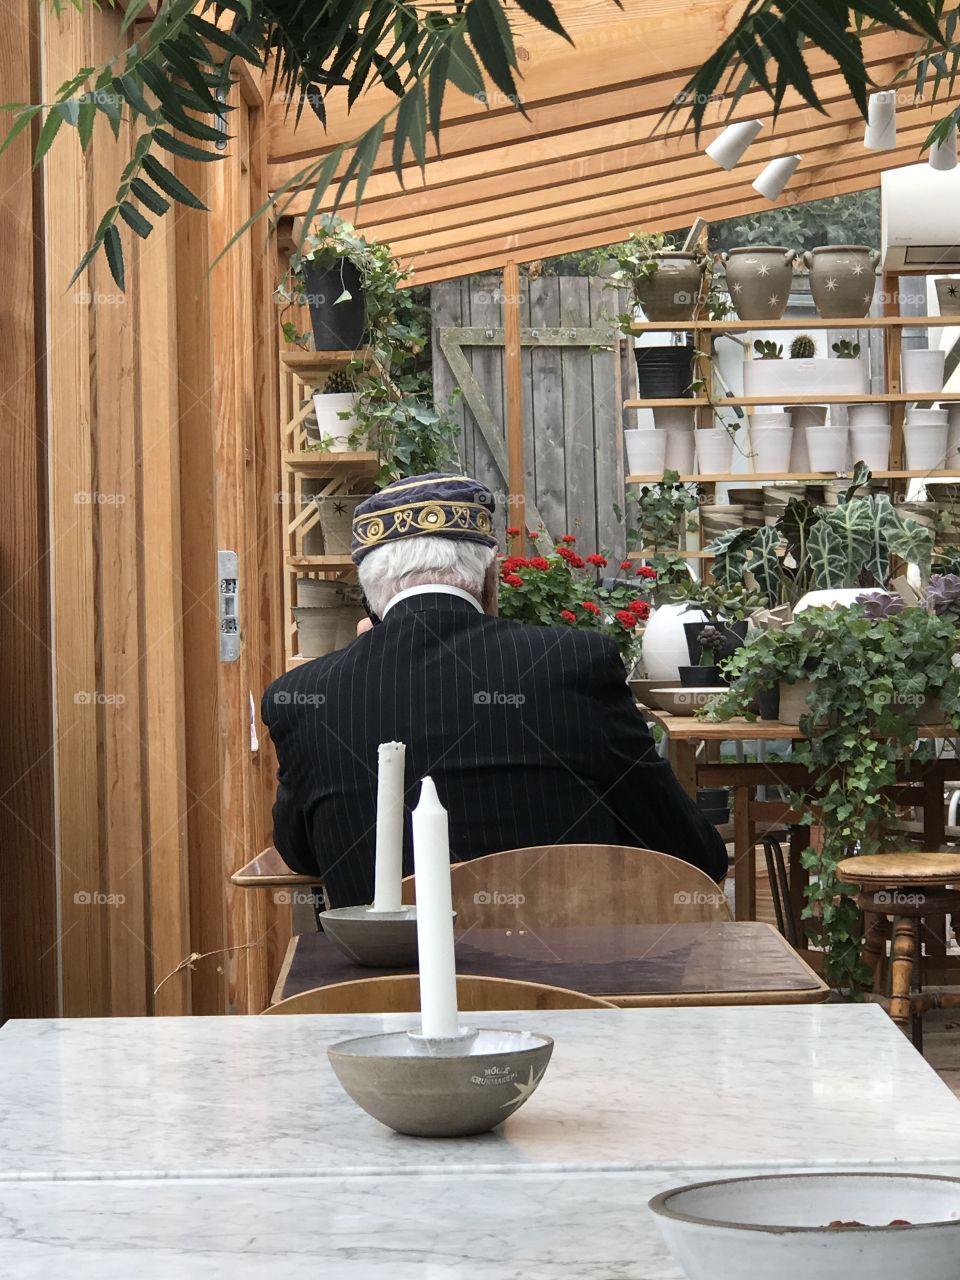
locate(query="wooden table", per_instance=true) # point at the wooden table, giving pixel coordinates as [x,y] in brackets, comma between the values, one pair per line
[631,965]
[691,749]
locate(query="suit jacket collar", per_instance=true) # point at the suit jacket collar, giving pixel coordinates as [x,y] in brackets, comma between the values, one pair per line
[430,601]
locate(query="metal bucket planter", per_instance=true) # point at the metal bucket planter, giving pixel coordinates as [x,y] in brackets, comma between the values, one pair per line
[673,291]
[337,326]
[759,280]
[842,279]
[336,521]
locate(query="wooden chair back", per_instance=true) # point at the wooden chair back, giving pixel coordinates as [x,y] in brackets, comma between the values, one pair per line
[565,885]
[401,994]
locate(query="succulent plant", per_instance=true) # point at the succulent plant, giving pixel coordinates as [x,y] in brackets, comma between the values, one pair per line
[845,350]
[803,347]
[339,382]
[883,605]
[942,595]
[767,350]
[711,641]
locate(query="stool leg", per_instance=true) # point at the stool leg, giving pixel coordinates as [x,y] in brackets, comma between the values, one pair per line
[874,950]
[901,969]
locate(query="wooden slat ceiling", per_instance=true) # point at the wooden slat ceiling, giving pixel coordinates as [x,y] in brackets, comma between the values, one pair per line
[591,162]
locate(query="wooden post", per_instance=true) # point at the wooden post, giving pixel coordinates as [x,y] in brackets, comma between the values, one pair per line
[516,516]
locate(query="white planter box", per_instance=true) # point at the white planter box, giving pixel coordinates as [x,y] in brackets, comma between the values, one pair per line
[811,378]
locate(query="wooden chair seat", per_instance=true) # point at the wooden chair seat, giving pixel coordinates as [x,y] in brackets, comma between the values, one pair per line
[891,870]
[401,994]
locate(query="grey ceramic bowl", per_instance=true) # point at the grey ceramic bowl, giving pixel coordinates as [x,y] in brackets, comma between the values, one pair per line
[442,1088]
[686,702]
[374,939]
[642,690]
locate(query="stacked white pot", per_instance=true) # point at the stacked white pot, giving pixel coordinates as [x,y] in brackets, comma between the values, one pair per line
[870,434]
[925,438]
[771,436]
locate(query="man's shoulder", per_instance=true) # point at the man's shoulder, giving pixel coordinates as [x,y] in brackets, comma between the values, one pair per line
[559,640]
[296,686]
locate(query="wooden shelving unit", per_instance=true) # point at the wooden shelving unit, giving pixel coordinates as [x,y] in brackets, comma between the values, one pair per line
[309,473]
[891,325]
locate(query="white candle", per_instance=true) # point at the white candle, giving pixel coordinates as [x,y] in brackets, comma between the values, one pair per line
[431,863]
[389,869]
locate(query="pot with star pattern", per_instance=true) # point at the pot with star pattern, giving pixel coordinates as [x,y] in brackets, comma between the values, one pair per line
[842,279]
[948,295]
[759,279]
[336,521]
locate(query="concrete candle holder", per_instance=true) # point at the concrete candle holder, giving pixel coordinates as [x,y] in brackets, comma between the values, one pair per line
[374,939]
[442,1088]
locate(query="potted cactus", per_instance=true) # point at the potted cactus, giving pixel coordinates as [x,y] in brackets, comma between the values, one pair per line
[805,373]
[335,408]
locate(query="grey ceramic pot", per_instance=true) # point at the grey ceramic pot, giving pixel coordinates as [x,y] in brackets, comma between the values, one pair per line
[759,279]
[673,291]
[375,940]
[842,279]
[442,1088]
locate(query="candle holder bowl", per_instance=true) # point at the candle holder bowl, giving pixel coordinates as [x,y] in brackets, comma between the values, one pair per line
[373,939]
[450,1088]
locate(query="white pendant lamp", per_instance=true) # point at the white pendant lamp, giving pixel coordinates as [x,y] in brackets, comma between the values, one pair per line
[881,131]
[771,181]
[943,155]
[728,148]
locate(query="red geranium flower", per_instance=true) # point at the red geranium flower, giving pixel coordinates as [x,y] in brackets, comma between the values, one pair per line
[640,609]
[626,619]
[567,616]
[599,561]
[624,564]
[513,532]
[534,535]
[646,572]
[513,580]
[568,537]
[590,606]
[573,560]
[538,562]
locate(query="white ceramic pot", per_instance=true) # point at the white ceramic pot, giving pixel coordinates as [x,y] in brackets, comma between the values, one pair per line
[816,376]
[664,646]
[925,445]
[317,630]
[927,417]
[826,448]
[779,1226]
[868,415]
[771,450]
[328,408]
[679,452]
[870,443]
[922,370]
[674,416]
[799,458]
[646,451]
[336,521]
[834,598]
[714,449]
[763,419]
[808,415]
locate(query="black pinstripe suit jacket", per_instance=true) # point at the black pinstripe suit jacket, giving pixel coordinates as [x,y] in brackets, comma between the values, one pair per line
[530,734]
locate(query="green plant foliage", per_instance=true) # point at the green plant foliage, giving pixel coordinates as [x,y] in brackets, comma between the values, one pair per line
[846,350]
[870,678]
[170,84]
[852,219]
[656,518]
[768,350]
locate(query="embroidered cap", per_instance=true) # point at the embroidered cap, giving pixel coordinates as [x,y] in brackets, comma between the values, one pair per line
[440,503]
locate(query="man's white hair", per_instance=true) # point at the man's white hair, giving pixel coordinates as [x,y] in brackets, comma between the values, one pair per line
[417,562]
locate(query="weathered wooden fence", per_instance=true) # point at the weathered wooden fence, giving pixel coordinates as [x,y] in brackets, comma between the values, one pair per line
[574,370]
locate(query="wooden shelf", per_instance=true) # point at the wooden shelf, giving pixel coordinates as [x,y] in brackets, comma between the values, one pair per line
[321,563]
[877,397]
[332,464]
[821,477]
[307,362]
[794,322]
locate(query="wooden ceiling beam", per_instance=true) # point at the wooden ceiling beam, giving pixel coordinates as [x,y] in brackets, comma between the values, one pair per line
[665,215]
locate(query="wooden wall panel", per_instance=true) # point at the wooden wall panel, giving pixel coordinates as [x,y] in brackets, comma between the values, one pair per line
[28,914]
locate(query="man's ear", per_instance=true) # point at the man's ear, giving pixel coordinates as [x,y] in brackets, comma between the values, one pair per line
[491,583]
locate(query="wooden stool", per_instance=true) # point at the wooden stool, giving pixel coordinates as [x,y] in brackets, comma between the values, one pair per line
[904,888]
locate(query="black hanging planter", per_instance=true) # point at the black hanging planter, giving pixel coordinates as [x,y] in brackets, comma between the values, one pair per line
[337,326]
[664,373]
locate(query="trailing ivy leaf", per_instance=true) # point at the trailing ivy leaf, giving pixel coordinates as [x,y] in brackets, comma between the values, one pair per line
[153,200]
[135,219]
[114,252]
[171,184]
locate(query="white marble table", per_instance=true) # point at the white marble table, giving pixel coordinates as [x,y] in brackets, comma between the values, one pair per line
[660,1089]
